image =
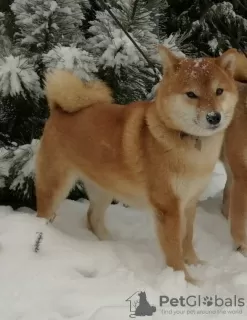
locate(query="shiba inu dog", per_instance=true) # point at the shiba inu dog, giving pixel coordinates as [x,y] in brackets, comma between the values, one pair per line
[234,156]
[155,154]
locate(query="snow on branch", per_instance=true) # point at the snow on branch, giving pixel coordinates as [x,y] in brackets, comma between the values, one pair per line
[74,59]
[2,26]
[22,167]
[17,77]
[111,45]
[43,24]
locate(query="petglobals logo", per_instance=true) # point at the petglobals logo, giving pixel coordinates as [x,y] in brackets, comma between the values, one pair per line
[202,301]
[201,305]
[140,305]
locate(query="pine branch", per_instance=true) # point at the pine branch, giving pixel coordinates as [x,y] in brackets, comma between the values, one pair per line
[134,9]
[47,34]
[241,5]
[106,7]
[6,141]
[238,45]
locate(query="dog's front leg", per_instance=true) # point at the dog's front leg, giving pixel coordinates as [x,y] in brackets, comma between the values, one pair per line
[190,256]
[168,220]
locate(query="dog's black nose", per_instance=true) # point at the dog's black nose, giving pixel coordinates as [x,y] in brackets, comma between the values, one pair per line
[213,118]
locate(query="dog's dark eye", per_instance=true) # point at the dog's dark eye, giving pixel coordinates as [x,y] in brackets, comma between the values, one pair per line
[219,91]
[191,95]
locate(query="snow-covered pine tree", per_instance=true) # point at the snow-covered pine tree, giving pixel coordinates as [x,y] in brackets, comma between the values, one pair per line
[19,172]
[222,26]
[42,24]
[120,63]
[71,58]
[23,112]
[42,29]
[21,95]
[208,27]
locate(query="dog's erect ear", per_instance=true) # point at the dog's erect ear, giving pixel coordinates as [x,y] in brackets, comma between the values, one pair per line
[227,61]
[169,60]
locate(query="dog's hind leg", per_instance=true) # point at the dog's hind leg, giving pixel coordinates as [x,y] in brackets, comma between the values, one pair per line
[238,213]
[226,193]
[99,201]
[53,182]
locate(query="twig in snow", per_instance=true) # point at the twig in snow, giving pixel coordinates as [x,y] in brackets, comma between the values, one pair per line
[38,242]
[40,236]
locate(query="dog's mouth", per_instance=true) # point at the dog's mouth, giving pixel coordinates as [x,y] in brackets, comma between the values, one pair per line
[214,126]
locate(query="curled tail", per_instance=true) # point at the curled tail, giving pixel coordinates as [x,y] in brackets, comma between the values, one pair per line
[240,73]
[66,91]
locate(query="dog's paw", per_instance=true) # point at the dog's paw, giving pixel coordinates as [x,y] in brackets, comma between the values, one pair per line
[194,260]
[193,281]
[103,235]
[242,249]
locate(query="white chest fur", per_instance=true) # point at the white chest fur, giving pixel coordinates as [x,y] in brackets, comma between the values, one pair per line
[196,169]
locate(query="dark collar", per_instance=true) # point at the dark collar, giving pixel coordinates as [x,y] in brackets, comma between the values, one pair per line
[198,142]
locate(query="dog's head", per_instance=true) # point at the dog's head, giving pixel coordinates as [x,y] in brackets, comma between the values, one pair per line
[197,96]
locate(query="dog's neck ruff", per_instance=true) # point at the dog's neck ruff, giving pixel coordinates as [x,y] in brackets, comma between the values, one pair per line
[198,142]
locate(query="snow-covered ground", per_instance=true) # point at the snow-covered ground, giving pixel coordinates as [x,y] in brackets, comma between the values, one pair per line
[74,276]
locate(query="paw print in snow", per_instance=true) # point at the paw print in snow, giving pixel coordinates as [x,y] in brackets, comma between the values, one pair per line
[208,301]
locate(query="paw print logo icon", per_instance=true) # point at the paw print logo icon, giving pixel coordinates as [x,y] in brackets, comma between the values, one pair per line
[208,301]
